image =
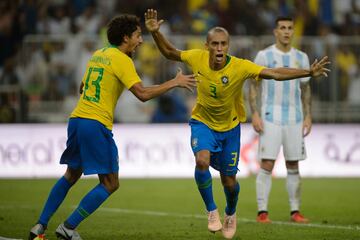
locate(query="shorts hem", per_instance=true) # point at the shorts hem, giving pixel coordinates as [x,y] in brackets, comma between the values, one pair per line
[95,172]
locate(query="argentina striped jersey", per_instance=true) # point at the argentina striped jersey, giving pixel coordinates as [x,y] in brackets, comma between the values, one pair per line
[281,100]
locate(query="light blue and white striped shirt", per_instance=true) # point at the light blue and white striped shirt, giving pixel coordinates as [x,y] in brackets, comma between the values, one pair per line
[281,100]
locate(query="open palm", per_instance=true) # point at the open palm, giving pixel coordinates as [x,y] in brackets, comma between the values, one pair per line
[318,67]
[151,22]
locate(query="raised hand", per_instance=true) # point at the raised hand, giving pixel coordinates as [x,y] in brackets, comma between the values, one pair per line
[151,22]
[185,81]
[318,67]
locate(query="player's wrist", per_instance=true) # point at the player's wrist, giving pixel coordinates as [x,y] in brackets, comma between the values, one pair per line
[174,82]
[311,73]
[155,31]
[255,113]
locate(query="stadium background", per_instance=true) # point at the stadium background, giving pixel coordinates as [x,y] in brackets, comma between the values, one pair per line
[44,46]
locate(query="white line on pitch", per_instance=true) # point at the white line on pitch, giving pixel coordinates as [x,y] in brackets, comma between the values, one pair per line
[165,214]
[4,238]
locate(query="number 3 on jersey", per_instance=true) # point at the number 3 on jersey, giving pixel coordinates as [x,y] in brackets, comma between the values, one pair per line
[95,75]
[213,90]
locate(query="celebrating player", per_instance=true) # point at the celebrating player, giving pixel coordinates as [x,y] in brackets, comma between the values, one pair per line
[216,117]
[90,146]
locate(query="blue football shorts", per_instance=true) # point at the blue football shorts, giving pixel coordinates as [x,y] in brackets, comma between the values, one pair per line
[90,146]
[224,147]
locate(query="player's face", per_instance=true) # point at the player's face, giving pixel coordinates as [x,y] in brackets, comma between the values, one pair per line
[218,46]
[284,32]
[134,41]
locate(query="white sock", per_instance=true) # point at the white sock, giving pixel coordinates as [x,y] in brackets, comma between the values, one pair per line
[294,188]
[263,186]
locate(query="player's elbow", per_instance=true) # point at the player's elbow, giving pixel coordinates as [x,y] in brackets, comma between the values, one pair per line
[270,73]
[143,96]
[277,76]
[140,92]
[172,54]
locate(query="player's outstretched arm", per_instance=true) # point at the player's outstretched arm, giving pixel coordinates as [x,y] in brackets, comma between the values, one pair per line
[147,93]
[153,26]
[318,68]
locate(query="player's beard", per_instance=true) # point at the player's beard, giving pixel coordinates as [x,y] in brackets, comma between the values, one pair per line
[129,54]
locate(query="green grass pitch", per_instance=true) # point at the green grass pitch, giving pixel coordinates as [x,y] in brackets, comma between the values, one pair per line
[172,209]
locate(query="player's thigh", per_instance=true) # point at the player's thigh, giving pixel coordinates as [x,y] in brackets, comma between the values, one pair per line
[229,156]
[202,138]
[98,150]
[71,155]
[293,144]
[270,141]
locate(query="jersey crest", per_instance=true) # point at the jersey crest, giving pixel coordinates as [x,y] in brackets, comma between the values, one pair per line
[224,80]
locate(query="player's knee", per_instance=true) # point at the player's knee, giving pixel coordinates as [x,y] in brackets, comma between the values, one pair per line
[202,160]
[292,164]
[267,165]
[229,182]
[112,186]
[115,186]
[72,175]
[202,163]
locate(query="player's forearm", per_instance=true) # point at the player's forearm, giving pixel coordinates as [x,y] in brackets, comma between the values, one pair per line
[165,47]
[253,90]
[306,99]
[281,74]
[157,90]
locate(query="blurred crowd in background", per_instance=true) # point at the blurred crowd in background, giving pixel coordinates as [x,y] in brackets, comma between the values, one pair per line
[45,45]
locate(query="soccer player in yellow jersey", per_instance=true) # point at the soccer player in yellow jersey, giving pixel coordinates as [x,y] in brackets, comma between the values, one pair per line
[90,146]
[219,109]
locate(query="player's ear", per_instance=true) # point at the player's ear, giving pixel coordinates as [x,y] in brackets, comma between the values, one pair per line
[206,46]
[126,39]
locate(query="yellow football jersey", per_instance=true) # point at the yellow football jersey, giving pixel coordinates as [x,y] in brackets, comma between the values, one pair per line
[220,103]
[108,72]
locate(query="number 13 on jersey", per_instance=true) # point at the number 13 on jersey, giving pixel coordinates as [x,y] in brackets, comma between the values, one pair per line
[95,75]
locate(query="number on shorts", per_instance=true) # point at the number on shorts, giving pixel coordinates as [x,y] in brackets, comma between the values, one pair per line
[234,154]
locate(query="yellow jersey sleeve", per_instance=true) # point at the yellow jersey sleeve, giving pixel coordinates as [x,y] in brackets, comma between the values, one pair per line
[252,70]
[190,57]
[128,77]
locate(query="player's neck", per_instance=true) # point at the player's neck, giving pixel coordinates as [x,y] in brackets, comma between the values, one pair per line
[124,49]
[283,47]
[216,66]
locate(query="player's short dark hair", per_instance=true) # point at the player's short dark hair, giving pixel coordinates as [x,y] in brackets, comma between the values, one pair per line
[121,26]
[214,30]
[283,18]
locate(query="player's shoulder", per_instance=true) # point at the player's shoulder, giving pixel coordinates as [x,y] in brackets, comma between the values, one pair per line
[270,48]
[195,51]
[238,59]
[244,63]
[194,55]
[263,52]
[111,51]
[300,52]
